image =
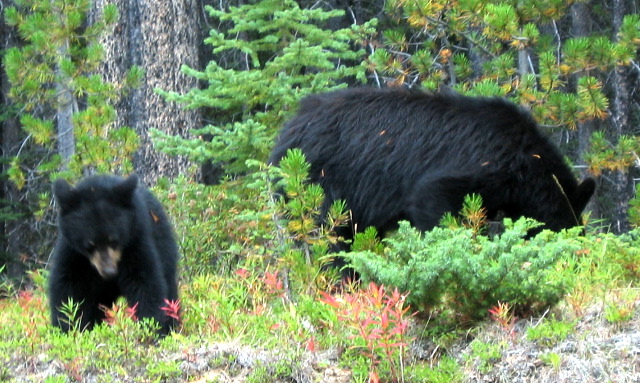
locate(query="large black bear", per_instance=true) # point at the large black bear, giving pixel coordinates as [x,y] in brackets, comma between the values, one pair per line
[395,154]
[114,239]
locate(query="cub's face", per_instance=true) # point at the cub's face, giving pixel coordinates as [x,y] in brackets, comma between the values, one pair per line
[97,219]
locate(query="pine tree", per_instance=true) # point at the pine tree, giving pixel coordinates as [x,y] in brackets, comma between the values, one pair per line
[521,50]
[273,53]
[498,49]
[62,102]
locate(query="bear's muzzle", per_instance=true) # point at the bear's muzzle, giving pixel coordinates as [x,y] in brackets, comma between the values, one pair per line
[106,261]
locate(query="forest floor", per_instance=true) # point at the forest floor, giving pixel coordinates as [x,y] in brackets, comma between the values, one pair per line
[594,350]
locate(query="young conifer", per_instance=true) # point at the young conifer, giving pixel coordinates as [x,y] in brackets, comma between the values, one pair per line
[64,106]
[271,54]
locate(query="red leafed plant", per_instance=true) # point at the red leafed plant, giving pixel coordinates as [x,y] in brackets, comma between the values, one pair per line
[120,321]
[502,314]
[380,324]
[171,309]
[113,314]
[273,284]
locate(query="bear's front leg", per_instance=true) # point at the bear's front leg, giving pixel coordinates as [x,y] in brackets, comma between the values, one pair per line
[85,311]
[147,292]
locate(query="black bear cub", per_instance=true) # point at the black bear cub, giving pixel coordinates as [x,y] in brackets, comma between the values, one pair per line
[395,154]
[114,239]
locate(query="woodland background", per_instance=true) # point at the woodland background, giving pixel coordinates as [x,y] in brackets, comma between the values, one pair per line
[190,95]
[87,88]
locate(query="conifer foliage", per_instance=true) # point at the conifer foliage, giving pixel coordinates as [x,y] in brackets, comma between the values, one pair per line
[515,49]
[65,106]
[273,53]
[61,112]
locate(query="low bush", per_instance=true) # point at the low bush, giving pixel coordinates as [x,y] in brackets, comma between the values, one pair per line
[456,269]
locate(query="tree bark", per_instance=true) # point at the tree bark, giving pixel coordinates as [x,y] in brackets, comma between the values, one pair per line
[616,187]
[159,37]
[67,105]
[622,181]
[581,25]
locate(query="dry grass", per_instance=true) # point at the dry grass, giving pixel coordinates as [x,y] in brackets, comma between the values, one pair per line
[596,351]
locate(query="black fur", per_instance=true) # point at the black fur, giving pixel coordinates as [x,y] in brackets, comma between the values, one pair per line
[108,212]
[397,154]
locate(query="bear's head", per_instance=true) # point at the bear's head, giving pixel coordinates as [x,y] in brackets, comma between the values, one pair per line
[97,218]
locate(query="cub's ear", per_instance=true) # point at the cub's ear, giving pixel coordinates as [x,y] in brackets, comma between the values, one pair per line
[125,189]
[66,197]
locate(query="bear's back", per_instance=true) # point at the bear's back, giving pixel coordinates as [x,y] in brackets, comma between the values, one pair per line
[353,127]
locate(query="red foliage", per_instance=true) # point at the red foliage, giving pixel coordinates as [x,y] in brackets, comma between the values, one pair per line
[378,319]
[503,315]
[112,313]
[243,273]
[171,309]
[273,284]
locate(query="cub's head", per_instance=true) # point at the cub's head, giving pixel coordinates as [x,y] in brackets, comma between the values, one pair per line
[97,218]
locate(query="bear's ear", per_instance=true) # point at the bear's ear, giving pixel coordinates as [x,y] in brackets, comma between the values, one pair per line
[65,195]
[125,189]
[583,194]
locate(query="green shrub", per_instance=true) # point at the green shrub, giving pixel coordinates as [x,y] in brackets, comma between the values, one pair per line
[485,354]
[243,223]
[623,253]
[215,225]
[454,268]
[445,370]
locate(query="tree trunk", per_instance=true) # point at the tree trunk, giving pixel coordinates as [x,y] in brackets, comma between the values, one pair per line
[581,25]
[581,22]
[67,105]
[622,182]
[159,37]
[616,187]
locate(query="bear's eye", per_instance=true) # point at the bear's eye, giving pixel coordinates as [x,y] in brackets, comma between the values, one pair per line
[113,243]
[90,247]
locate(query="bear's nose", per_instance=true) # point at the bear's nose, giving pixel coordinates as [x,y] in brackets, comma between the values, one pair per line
[109,271]
[106,262]
[109,265]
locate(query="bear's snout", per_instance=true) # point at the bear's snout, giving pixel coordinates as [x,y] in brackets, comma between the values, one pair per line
[106,261]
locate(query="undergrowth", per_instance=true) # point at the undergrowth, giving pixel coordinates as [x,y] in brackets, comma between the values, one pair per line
[258,300]
[466,274]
